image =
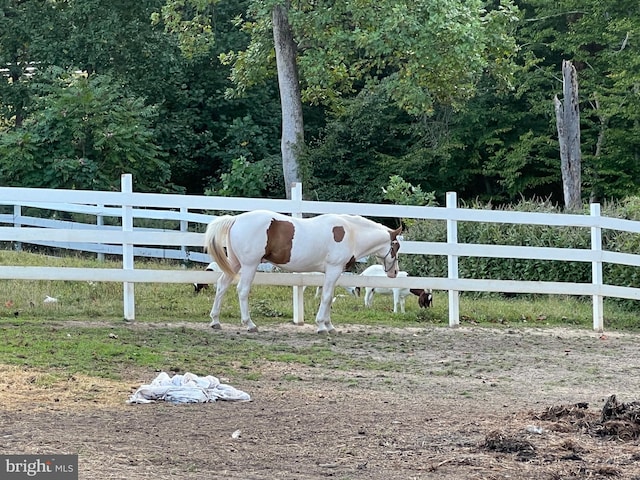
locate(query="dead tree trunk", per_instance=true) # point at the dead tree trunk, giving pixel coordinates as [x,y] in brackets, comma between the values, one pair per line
[290,100]
[568,123]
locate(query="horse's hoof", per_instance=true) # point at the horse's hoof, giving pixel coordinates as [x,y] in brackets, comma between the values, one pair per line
[333,331]
[322,332]
[216,326]
[252,329]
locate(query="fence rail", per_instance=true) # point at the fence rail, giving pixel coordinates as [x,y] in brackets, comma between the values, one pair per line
[185,237]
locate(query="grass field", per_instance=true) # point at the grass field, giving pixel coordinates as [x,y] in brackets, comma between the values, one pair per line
[84,331]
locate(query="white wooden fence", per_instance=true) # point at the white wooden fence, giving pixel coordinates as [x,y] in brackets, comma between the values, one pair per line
[130,242]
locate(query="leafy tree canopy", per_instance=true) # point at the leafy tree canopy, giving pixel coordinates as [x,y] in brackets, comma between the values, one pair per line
[419,51]
[83,133]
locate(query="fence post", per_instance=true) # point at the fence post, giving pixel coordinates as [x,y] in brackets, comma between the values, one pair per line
[17,214]
[452,262]
[298,292]
[127,248]
[100,223]
[596,269]
[184,227]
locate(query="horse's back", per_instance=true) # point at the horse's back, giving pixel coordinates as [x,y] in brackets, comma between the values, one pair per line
[296,244]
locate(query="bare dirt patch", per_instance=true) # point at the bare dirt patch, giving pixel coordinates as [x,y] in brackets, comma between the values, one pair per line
[467,403]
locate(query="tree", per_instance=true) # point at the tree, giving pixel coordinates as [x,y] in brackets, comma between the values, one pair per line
[290,99]
[25,27]
[363,145]
[206,129]
[420,52]
[505,146]
[83,133]
[198,130]
[598,38]
[568,121]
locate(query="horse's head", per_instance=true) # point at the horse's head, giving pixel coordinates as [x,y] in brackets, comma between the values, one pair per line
[389,260]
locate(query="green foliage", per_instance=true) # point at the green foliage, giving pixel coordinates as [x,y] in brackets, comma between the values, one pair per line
[503,145]
[244,180]
[202,130]
[252,63]
[596,36]
[403,193]
[83,133]
[191,22]
[19,45]
[419,52]
[359,150]
[196,129]
[363,66]
[529,235]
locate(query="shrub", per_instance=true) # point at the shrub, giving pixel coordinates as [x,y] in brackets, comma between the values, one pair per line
[530,235]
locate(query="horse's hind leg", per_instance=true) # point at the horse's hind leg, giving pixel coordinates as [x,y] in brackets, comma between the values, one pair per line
[221,288]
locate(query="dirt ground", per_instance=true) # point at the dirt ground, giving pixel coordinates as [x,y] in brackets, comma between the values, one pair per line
[472,403]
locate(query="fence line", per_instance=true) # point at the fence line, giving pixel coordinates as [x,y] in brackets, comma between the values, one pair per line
[131,242]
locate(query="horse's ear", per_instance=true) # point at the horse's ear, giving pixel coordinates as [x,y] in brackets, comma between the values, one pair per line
[395,233]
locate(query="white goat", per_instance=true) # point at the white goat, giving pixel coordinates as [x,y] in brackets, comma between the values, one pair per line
[353,291]
[399,294]
[212,267]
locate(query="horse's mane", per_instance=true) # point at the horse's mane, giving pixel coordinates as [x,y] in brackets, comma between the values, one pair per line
[358,219]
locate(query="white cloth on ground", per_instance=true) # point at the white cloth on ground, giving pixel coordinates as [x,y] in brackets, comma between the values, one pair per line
[187,388]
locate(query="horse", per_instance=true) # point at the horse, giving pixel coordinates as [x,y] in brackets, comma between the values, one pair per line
[329,243]
[425,298]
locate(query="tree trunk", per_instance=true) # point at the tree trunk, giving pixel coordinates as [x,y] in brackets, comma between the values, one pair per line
[290,101]
[568,123]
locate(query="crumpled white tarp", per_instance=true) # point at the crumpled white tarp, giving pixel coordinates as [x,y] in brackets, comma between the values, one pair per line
[187,388]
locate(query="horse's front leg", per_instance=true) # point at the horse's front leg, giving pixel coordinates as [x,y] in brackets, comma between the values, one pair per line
[323,318]
[244,287]
[221,288]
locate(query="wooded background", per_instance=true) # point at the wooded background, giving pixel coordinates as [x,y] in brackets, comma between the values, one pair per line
[449,95]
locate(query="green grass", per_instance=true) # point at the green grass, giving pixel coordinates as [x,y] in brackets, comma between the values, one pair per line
[110,351]
[168,302]
[37,335]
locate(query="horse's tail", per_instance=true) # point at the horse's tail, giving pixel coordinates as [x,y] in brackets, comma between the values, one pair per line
[216,238]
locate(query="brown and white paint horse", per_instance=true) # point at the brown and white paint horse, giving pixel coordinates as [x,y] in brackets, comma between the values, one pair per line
[327,243]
